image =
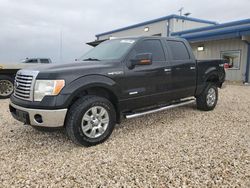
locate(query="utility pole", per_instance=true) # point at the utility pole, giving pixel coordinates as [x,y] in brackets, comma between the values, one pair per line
[61,46]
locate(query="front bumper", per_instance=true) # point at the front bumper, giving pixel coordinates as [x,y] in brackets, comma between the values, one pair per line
[38,117]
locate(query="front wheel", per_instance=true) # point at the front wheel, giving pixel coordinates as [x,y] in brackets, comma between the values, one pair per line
[6,87]
[90,121]
[208,99]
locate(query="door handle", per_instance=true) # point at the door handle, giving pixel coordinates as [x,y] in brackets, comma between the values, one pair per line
[168,70]
[192,68]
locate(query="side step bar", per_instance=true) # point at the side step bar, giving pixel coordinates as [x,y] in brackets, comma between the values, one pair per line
[181,103]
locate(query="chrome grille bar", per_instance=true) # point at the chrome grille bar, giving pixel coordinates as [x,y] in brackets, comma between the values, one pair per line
[24,84]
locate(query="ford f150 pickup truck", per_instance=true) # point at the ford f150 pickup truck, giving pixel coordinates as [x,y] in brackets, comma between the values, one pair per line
[127,77]
[8,72]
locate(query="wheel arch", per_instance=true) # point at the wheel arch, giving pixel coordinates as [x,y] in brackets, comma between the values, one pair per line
[98,86]
[212,75]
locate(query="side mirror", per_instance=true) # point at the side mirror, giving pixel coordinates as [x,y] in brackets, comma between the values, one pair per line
[141,59]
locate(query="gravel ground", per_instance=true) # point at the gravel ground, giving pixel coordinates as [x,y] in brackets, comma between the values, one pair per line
[178,148]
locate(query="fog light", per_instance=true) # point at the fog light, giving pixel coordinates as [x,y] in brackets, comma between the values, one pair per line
[38,118]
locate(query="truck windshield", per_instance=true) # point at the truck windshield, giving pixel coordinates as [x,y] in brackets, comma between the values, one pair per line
[109,50]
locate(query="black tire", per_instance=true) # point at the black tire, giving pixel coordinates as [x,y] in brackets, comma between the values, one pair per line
[205,104]
[46,129]
[75,116]
[6,92]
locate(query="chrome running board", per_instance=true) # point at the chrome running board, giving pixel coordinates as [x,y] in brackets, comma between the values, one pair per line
[179,104]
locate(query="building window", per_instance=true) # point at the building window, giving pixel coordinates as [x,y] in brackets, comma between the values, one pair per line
[233,58]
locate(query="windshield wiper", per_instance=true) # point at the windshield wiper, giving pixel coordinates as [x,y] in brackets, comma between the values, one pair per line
[91,59]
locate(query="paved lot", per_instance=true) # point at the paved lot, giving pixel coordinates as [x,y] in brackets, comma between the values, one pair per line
[178,148]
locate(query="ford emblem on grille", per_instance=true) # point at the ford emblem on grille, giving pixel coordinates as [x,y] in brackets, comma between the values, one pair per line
[16,85]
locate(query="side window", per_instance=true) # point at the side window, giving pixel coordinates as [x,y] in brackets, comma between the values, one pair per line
[32,61]
[179,50]
[151,46]
[44,60]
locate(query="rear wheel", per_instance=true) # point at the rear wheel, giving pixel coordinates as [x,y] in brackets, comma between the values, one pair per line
[208,99]
[90,121]
[6,87]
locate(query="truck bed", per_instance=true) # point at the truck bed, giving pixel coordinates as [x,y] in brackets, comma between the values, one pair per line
[212,65]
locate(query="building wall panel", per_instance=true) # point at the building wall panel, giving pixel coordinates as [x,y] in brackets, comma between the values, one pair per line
[158,28]
[155,28]
[214,48]
[182,25]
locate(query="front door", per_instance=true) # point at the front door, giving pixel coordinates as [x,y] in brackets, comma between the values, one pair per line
[146,85]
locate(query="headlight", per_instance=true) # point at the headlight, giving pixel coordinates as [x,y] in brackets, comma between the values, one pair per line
[47,88]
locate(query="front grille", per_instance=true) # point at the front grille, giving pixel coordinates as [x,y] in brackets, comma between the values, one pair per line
[24,84]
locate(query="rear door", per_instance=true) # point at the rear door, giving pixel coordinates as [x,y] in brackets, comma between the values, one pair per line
[183,69]
[147,84]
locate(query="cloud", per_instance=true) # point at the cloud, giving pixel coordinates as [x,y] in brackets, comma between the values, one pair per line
[31,28]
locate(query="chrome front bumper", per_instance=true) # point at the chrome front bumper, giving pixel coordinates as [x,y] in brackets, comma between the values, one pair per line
[39,117]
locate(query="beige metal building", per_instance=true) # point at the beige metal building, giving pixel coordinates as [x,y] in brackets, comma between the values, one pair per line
[208,39]
[163,26]
[229,41]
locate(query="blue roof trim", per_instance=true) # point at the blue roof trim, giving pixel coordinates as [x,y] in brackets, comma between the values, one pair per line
[248,63]
[221,34]
[157,20]
[229,24]
[215,37]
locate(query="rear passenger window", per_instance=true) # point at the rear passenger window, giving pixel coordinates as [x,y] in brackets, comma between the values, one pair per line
[179,50]
[44,60]
[152,46]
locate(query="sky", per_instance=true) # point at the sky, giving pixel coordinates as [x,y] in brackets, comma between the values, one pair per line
[34,28]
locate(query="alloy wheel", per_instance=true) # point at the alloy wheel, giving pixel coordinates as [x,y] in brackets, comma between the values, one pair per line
[95,122]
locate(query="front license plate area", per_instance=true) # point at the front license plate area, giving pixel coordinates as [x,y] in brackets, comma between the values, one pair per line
[22,116]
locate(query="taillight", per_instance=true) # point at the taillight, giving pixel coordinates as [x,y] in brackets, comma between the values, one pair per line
[226,66]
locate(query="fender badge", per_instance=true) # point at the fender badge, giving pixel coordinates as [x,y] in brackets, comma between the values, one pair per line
[116,73]
[133,93]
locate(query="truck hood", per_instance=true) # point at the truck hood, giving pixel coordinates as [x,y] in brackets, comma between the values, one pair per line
[75,70]
[68,67]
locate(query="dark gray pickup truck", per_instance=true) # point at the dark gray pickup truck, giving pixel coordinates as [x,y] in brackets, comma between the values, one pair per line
[127,77]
